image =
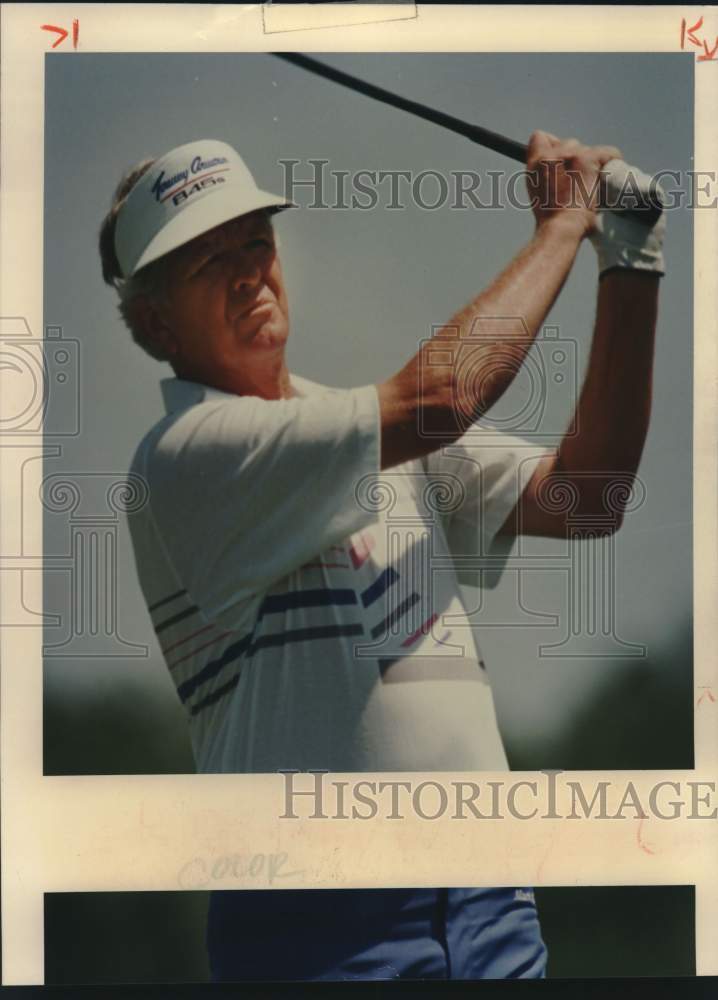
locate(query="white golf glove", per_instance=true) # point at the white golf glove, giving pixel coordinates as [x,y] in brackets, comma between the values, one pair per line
[619,239]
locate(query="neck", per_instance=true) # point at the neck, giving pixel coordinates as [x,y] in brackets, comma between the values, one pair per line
[269,381]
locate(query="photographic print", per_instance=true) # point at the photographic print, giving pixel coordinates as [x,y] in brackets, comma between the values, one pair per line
[358,458]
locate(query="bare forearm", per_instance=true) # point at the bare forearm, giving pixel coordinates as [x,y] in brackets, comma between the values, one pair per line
[525,291]
[486,343]
[614,407]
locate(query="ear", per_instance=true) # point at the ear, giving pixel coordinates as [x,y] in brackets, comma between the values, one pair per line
[151,319]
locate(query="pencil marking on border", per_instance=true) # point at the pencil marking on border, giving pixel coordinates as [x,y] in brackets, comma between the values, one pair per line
[277,18]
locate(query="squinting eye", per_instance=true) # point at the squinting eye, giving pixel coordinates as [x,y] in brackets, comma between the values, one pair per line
[262,244]
[211,259]
[259,245]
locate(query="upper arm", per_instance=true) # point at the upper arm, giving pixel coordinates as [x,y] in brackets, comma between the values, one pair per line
[494,470]
[418,412]
[532,514]
[247,490]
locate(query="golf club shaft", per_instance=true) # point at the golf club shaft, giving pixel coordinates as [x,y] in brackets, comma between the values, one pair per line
[483,136]
[647,213]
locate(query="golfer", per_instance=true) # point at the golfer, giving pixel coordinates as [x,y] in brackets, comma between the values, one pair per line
[301,576]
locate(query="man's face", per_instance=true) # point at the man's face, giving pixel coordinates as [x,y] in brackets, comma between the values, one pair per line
[225,317]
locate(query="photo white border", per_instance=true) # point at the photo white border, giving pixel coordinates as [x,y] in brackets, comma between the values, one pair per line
[105,833]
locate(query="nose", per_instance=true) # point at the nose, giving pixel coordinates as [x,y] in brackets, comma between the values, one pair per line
[246,274]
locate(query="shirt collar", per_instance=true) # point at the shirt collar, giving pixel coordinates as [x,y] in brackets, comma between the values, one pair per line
[180,394]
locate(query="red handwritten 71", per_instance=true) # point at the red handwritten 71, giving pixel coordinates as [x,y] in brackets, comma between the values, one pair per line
[62,32]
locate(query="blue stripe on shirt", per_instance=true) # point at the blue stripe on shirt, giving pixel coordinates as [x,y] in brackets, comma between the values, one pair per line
[216,695]
[382,583]
[321,597]
[263,642]
[166,600]
[305,635]
[396,614]
[231,653]
[176,618]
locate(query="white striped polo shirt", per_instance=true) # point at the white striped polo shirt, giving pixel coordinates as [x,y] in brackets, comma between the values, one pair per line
[308,605]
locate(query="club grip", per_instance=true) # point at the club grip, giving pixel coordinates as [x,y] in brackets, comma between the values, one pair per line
[647,214]
[626,185]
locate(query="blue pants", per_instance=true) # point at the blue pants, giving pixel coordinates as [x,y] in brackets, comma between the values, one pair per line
[341,934]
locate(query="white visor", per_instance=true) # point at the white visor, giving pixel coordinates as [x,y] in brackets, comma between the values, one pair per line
[185,193]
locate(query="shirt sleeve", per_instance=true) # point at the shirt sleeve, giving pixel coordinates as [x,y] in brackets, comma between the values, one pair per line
[486,473]
[244,491]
